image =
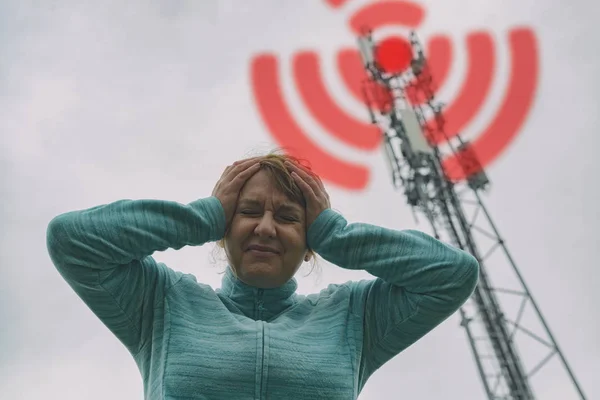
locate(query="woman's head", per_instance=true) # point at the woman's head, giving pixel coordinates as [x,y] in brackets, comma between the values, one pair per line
[270,215]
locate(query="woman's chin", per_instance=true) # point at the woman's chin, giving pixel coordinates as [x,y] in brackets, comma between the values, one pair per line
[262,274]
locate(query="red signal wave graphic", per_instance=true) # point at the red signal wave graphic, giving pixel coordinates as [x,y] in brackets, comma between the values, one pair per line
[494,139]
[290,136]
[385,13]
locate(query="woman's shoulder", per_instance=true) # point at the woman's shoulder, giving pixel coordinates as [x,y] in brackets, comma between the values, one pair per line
[334,292]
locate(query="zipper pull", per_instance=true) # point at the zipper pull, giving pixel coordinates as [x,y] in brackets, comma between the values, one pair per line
[260,300]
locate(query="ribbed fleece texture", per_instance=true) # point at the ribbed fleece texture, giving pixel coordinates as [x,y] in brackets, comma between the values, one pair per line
[191,341]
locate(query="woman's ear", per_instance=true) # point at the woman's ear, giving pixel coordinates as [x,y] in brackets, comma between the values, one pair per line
[308,256]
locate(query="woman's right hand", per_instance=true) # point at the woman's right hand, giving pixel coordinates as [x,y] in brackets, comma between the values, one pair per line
[228,188]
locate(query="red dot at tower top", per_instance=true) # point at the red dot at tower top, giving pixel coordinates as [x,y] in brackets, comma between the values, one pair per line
[394,54]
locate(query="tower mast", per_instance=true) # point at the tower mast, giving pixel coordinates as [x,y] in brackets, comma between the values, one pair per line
[404,107]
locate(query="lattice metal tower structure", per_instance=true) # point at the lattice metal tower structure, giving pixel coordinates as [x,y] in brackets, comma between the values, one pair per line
[404,107]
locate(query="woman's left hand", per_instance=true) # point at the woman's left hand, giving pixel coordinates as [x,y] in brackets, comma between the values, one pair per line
[317,198]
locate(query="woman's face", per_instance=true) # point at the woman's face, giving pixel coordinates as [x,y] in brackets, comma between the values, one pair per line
[266,243]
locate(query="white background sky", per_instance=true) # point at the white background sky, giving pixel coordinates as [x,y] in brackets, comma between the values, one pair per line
[151,99]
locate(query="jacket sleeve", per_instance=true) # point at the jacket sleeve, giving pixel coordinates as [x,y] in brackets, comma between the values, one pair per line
[104,254]
[420,281]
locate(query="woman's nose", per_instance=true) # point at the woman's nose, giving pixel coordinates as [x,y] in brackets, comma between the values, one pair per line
[266,226]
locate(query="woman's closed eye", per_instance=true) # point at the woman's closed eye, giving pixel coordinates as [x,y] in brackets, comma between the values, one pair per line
[249,212]
[284,217]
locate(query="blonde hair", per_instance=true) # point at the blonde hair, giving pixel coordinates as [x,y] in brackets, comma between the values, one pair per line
[274,163]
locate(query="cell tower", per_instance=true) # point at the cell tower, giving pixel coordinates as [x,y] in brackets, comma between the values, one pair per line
[403,105]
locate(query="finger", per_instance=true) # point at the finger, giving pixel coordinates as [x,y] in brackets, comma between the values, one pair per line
[308,178]
[229,167]
[313,181]
[307,190]
[320,182]
[317,179]
[240,179]
[224,174]
[240,166]
[245,160]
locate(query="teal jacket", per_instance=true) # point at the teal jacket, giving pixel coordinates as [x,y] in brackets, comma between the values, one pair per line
[191,341]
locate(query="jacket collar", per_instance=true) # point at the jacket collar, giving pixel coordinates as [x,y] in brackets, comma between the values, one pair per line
[258,303]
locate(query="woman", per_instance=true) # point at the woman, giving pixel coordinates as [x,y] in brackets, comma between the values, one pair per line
[255,338]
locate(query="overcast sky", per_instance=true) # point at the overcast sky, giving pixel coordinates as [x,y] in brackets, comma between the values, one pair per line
[152,99]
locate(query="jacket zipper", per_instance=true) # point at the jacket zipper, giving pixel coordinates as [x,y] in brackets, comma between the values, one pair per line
[262,371]
[262,327]
[259,303]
